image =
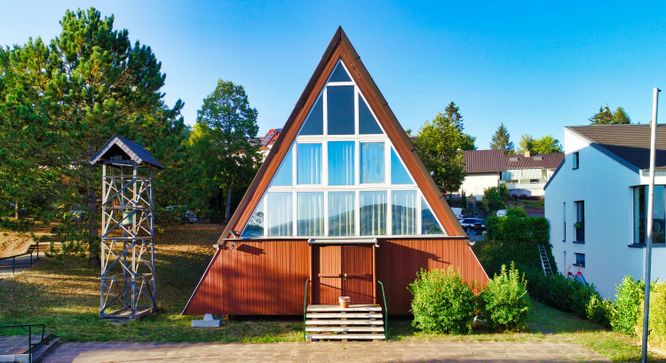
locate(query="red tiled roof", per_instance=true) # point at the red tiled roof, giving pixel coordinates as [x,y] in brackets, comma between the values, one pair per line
[494,161]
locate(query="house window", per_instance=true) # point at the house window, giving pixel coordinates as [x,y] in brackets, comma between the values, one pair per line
[576,160]
[564,221]
[580,259]
[658,216]
[534,181]
[279,213]
[373,213]
[403,211]
[283,177]
[579,225]
[341,214]
[372,162]
[310,210]
[429,223]
[340,163]
[340,110]
[308,164]
[398,173]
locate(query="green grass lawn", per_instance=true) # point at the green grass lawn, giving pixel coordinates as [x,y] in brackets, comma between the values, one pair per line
[64,294]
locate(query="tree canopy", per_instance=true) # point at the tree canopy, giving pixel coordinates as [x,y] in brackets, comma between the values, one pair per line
[544,145]
[223,142]
[501,140]
[440,143]
[607,117]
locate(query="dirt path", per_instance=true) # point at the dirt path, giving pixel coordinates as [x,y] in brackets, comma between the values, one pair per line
[401,351]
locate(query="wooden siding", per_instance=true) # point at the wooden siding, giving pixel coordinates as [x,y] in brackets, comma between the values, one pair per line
[399,260]
[267,277]
[254,278]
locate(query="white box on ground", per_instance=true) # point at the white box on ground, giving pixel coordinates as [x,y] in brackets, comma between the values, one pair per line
[208,322]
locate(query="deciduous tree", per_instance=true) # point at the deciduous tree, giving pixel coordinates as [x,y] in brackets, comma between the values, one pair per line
[440,144]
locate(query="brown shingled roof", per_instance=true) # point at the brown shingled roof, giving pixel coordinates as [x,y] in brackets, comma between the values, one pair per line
[494,161]
[630,144]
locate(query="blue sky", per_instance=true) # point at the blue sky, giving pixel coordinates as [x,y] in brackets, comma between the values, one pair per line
[536,66]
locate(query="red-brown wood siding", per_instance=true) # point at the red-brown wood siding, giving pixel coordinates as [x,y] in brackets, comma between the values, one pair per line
[254,278]
[267,277]
[399,260]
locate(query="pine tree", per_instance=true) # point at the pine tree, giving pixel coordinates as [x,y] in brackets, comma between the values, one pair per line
[606,117]
[501,140]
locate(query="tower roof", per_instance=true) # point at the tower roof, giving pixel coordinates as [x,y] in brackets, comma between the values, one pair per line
[121,149]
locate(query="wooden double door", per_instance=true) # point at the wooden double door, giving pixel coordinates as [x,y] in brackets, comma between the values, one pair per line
[344,270]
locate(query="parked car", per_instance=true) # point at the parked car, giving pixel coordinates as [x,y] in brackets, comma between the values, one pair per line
[473,224]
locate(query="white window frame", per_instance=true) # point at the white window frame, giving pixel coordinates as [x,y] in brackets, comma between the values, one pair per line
[357,187]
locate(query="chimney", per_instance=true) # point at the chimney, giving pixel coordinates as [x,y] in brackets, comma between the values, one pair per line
[526,153]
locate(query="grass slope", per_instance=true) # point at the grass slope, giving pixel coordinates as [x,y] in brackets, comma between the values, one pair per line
[64,294]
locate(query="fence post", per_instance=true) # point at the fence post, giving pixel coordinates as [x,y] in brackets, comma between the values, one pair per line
[13,265]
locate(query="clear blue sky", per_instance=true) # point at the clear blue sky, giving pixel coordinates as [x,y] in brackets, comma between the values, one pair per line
[535,65]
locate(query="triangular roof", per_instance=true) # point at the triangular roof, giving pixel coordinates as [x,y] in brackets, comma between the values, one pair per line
[118,146]
[340,48]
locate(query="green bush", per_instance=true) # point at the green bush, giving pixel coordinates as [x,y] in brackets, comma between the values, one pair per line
[516,229]
[561,292]
[627,305]
[442,303]
[657,322]
[600,310]
[505,301]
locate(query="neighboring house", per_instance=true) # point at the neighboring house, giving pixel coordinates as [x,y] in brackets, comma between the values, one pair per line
[266,142]
[523,174]
[341,203]
[597,200]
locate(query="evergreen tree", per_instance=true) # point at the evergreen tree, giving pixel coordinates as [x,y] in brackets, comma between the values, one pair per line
[440,144]
[606,117]
[501,140]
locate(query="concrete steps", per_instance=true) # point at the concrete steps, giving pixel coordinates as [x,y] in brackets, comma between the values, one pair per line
[356,322]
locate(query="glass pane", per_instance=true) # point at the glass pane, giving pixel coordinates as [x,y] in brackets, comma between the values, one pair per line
[658,217]
[279,213]
[310,212]
[372,162]
[398,173]
[255,225]
[283,177]
[341,110]
[340,163]
[366,122]
[308,164]
[640,210]
[314,123]
[403,212]
[373,213]
[429,224]
[341,208]
[339,74]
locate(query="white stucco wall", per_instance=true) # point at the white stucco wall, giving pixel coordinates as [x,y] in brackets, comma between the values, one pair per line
[605,186]
[475,184]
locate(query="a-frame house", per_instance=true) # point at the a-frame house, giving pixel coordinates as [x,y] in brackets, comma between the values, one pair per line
[341,203]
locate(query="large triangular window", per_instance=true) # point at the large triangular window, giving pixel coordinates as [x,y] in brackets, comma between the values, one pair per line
[342,176]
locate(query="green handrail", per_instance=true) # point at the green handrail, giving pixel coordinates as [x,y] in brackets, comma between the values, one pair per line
[385,310]
[305,306]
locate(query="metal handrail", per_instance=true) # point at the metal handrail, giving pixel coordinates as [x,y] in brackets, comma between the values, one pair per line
[28,327]
[381,284]
[305,306]
[13,258]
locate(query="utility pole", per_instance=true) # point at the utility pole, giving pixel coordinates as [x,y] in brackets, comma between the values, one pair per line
[650,234]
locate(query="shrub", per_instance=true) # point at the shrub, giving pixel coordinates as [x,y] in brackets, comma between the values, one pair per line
[657,322]
[442,303]
[516,212]
[600,310]
[505,301]
[627,305]
[562,293]
[513,228]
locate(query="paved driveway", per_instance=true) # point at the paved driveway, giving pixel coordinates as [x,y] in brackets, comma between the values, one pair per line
[401,351]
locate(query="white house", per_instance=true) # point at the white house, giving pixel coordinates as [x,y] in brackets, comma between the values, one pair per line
[597,201]
[523,174]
